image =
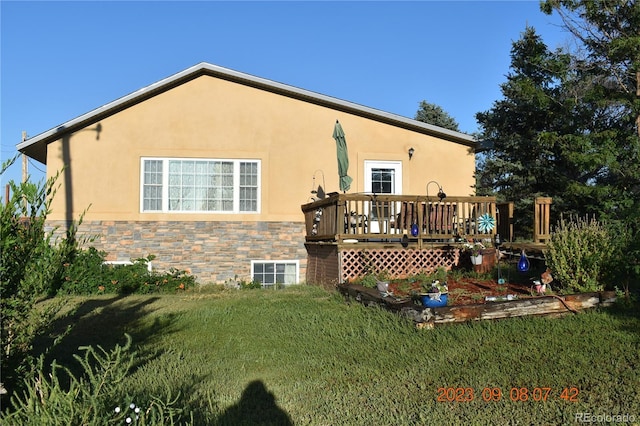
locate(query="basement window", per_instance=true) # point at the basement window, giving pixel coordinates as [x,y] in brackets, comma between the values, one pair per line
[272,272]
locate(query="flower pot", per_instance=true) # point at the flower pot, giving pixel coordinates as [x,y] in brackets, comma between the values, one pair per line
[477,259]
[434,300]
[382,286]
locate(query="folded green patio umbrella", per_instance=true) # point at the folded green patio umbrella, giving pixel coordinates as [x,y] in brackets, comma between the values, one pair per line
[343,157]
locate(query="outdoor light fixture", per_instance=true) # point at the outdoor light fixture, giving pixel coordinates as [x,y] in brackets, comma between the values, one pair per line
[411,151]
[440,194]
[318,191]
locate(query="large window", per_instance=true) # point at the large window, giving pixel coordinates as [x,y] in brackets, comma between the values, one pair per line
[271,272]
[190,185]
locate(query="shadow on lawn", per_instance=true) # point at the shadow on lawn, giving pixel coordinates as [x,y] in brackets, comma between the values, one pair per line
[98,322]
[628,313]
[257,406]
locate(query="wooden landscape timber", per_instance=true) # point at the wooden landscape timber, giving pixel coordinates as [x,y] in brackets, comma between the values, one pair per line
[529,306]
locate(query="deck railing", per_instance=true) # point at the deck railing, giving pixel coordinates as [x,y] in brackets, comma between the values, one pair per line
[383,217]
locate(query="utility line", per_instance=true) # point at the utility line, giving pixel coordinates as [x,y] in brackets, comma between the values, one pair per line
[36,167]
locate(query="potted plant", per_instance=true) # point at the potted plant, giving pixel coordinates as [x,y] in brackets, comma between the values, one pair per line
[474,248]
[436,295]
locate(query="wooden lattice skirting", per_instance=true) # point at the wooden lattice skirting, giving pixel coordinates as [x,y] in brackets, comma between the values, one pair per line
[397,263]
[330,264]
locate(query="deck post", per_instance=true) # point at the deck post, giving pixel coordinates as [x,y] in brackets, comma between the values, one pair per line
[541,220]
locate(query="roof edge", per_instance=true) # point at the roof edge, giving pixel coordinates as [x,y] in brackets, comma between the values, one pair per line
[35,146]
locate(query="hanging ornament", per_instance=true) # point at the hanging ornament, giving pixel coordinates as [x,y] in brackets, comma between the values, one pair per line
[414,230]
[486,223]
[523,262]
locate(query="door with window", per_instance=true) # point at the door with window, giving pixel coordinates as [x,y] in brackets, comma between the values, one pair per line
[382,177]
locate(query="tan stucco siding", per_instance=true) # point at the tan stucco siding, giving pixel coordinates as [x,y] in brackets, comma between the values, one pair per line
[214,118]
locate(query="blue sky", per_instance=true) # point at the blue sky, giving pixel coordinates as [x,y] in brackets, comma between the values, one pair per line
[60,60]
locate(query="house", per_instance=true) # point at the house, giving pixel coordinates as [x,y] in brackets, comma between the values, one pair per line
[207,170]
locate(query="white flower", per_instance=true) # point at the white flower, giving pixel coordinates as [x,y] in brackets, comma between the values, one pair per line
[132,405]
[137,410]
[117,410]
[128,420]
[474,247]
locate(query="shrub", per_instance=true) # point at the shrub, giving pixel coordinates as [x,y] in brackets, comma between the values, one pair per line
[624,267]
[250,285]
[578,254]
[29,269]
[98,397]
[88,274]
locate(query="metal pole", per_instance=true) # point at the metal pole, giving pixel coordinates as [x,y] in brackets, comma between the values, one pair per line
[24,160]
[24,170]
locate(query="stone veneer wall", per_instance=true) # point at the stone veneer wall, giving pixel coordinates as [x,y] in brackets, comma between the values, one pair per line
[212,251]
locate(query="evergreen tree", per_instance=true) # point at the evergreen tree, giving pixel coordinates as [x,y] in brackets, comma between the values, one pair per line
[525,160]
[567,125]
[434,114]
[606,82]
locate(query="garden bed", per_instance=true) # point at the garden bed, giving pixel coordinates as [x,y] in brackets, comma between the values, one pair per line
[466,290]
[471,303]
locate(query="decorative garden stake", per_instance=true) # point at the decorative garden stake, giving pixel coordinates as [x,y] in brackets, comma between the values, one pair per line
[414,230]
[539,288]
[486,223]
[497,242]
[523,263]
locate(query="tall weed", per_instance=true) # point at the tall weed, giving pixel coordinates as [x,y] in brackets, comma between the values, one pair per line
[98,397]
[27,271]
[579,253]
[31,267]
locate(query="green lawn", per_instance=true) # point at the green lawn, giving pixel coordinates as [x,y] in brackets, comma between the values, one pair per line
[304,355]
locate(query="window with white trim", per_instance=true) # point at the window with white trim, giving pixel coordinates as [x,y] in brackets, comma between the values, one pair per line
[200,185]
[271,272]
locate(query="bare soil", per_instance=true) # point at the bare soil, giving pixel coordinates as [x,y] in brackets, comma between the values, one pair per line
[466,291]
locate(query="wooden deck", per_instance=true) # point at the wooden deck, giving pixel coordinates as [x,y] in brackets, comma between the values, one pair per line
[409,219]
[348,235]
[415,219]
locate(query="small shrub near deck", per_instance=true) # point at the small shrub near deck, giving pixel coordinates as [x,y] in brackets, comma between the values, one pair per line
[578,254]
